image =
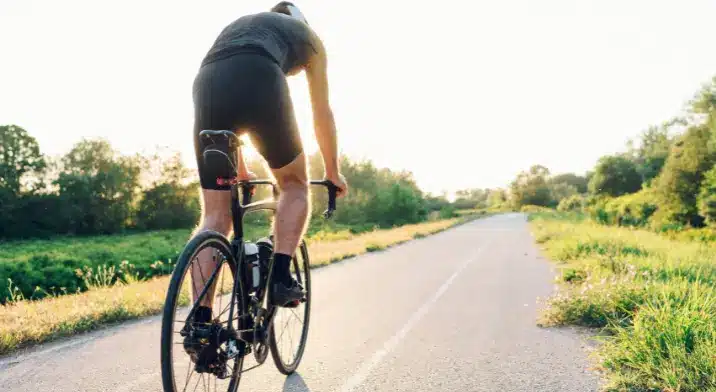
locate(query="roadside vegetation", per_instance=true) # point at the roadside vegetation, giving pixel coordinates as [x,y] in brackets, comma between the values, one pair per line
[635,243]
[654,298]
[89,238]
[65,217]
[108,299]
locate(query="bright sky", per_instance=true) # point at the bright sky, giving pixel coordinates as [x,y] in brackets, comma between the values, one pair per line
[462,93]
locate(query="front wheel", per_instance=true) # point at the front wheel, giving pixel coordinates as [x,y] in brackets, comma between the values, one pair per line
[197,353]
[289,329]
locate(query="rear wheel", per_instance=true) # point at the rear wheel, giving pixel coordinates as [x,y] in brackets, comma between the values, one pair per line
[289,330]
[200,355]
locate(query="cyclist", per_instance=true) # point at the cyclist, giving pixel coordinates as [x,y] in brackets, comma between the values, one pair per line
[241,86]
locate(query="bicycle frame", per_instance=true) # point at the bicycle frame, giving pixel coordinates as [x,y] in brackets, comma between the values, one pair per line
[240,208]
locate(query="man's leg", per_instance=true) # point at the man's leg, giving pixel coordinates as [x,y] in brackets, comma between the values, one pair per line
[289,225]
[216,216]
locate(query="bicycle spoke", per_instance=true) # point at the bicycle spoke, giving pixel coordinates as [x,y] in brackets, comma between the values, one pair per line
[228,306]
[211,255]
[287,347]
[197,382]
[280,337]
[188,372]
[191,374]
[201,273]
[290,340]
[296,316]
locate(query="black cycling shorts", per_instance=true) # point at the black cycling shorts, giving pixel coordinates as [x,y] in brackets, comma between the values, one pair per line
[249,92]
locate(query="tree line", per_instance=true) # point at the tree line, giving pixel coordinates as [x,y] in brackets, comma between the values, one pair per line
[93,189]
[665,178]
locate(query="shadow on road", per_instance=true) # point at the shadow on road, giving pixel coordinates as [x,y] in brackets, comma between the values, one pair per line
[295,383]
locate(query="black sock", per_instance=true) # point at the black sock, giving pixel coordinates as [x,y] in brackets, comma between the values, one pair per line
[202,314]
[281,268]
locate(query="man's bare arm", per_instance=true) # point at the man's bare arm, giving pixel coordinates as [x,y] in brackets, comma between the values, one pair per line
[323,121]
[243,170]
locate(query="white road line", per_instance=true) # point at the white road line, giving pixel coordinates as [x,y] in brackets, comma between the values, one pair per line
[364,370]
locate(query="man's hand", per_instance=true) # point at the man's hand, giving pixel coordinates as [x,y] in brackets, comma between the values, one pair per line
[340,182]
[246,175]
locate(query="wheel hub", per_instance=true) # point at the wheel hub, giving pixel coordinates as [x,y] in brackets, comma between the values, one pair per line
[203,344]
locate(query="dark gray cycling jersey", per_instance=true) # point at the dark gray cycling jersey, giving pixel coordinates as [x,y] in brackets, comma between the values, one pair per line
[286,40]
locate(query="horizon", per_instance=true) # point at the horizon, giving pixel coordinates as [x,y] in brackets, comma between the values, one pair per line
[586,75]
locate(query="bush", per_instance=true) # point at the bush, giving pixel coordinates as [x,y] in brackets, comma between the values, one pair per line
[705,234]
[572,203]
[169,206]
[629,210]
[532,209]
[632,210]
[448,212]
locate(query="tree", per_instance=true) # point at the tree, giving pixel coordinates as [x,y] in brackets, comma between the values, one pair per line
[561,190]
[679,182]
[471,198]
[578,182]
[615,175]
[19,155]
[704,103]
[169,203]
[436,203]
[378,197]
[650,156]
[98,188]
[707,197]
[531,188]
[497,198]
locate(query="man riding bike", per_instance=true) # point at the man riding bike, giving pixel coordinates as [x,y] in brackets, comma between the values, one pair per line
[241,86]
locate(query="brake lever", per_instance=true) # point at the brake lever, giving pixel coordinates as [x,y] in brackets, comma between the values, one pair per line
[332,193]
[247,191]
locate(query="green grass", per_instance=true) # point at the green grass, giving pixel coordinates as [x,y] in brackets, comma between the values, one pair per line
[107,248]
[39,268]
[36,269]
[653,296]
[27,322]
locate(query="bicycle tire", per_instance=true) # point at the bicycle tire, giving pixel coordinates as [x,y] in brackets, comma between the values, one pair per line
[196,244]
[290,368]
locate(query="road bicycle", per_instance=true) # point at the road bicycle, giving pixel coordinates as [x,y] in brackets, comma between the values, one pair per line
[215,351]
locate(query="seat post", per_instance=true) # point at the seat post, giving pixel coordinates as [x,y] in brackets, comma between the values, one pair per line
[237,212]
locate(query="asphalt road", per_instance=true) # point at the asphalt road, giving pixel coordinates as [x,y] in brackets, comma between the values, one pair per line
[451,312]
